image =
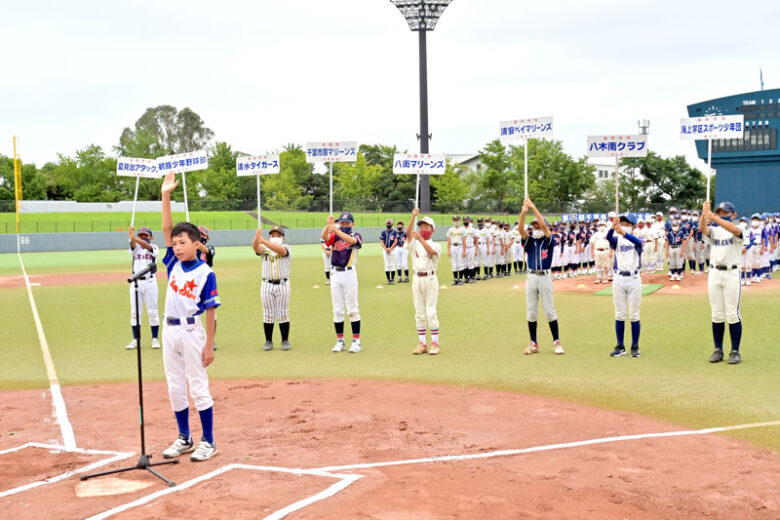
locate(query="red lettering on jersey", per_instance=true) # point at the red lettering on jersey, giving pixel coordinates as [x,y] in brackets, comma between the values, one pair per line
[185,290]
[544,254]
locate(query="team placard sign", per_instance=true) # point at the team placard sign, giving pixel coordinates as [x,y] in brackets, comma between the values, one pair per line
[184,162]
[257,165]
[712,127]
[417,163]
[332,151]
[617,146]
[137,167]
[530,128]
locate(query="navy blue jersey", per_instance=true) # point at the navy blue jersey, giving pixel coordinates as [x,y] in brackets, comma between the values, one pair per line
[209,256]
[401,236]
[570,237]
[539,251]
[387,237]
[676,239]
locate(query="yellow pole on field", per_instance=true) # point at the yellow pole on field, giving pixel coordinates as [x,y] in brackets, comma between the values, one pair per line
[17,183]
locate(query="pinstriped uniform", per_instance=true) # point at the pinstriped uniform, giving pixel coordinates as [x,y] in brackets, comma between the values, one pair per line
[276,296]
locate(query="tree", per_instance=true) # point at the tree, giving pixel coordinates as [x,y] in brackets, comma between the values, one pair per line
[664,181]
[555,179]
[220,182]
[164,130]
[356,182]
[392,191]
[452,188]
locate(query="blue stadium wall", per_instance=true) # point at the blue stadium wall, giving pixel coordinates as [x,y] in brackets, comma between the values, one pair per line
[747,173]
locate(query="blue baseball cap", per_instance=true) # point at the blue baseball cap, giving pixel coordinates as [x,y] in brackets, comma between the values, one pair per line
[755,216]
[743,219]
[727,206]
[145,230]
[346,217]
[628,217]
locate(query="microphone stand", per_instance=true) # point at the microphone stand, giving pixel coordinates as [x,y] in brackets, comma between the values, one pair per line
[143,461]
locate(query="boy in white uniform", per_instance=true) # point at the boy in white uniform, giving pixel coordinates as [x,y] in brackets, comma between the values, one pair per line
[144,253]
[723,284]
[455,250]
[425,255]
[470,249]
[601,251]
[518,253]
[627,285]
[188,348]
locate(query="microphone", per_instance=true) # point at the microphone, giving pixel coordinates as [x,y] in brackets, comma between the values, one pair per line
[141,273]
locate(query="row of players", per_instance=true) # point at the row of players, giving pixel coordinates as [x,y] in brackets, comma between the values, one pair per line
[495,249]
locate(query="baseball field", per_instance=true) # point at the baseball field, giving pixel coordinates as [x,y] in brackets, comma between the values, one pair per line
[312,434]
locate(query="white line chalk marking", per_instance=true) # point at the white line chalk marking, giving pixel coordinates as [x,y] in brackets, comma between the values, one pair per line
[60,411]
[116,455]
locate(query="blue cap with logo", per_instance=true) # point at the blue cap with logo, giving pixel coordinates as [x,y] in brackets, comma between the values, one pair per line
[628,217]
[346,216]
[727,206]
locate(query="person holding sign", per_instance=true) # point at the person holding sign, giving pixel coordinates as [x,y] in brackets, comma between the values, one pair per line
[539,249]
[727,240]
[425,255]
[345,244]
[275,289]
[627,285]
[144,253]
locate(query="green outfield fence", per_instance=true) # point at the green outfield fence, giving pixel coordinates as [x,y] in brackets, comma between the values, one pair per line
[241,214]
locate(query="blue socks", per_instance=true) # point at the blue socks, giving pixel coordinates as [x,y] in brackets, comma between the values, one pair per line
[136,331]
[155,331]
[183,421]
[207,422]
[718,330]
[635,328]
[532,330]
[620,332]
[554,329]
[735,331]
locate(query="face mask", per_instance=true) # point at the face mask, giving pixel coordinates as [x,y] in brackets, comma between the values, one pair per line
[728,219]
[399,228]
[675,228]
[743,225]
[465,224]
[203,240]
[627,229]
[426,234]
[389,226]
[276,240]
[685,218]
[149,241]
[754,224]
[346,229]
[602,229]
[480,226]
[538,233]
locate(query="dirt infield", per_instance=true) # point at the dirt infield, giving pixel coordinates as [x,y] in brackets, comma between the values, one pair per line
[326,425]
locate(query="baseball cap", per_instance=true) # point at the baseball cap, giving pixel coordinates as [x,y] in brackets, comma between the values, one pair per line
[389,221]
[346,216]
[429,221]
[659,214]
[673,209]
[204,231]
[753,216]
[144,230]
[628,217]
[278,229]
[455,218]
[727,206]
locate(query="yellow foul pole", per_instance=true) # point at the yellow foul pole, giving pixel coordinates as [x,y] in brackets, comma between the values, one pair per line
[17,183]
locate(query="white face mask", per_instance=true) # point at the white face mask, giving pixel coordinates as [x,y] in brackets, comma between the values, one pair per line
[538,233]
[754,224]
[276,240]
[685,218]
[675,228]
[743,225]
[602,229]
[627,229]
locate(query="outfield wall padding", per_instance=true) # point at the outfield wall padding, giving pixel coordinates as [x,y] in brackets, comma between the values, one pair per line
[46,242]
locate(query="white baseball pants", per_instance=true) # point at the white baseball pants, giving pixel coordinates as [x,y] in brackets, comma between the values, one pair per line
[401,258]
[425,294]
[344,295]
[276,301]
[539,287]
[725,292]
[627,296]
[456,258]
[183,363]
[389,260]
[147,297]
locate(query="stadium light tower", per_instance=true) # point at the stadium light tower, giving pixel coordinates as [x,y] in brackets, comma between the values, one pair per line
[422,15]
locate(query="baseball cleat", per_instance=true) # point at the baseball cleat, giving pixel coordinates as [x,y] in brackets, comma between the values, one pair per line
[406,279]
[735,358]
[181,445]
[340,346]
[557,347]
[131,345]
[355,347]
[532,348]
[421,348]
[156,343]
[269,345]
[434,348]
[619,351]
[285,345]
[717,356]
[635,352]
[327,282]
[205,451]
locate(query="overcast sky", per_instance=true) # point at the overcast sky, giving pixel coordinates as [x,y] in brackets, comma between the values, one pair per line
[266,73]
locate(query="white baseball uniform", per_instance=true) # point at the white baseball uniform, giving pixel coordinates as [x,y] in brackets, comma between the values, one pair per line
[147,285]
[275,288]
[455,236]
[627,284]
[723,283]
[192,288]
[343,276]
[471,255]
[425,284]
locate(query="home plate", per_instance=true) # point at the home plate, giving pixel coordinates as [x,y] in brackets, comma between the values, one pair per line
[106,486]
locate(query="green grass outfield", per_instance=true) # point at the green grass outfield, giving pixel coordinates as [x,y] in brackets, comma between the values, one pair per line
[483,333]
[99,221]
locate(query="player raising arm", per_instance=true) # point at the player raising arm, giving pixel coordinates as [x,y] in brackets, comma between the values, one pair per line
[539,249]
[723,279]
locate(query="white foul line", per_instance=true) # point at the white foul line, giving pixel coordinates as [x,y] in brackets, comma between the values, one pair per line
[548,447]
[343,482]
[60,411]
[116,456]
